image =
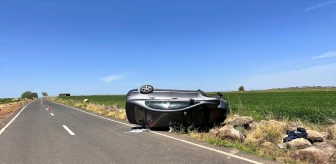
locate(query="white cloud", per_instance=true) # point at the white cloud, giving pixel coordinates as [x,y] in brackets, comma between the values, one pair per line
[321,75]
[111,78]
[325,55]
[320,5]
[114,77]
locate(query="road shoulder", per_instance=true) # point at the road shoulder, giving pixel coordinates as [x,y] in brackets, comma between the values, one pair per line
[9,110]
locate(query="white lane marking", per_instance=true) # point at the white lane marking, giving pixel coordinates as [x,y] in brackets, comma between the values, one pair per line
[52,114]
[4,128]
[181,140]
[67,129]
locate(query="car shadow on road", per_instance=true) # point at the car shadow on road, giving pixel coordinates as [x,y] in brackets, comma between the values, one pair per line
[153,129]
[166,129]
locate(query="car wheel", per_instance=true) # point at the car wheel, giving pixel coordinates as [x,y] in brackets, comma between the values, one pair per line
[146,89]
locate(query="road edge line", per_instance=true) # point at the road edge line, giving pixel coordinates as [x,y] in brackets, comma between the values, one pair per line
[208,148]
[4,128]
[181,140]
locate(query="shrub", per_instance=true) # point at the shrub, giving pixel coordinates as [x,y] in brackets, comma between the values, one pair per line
[44,94]
[29,95]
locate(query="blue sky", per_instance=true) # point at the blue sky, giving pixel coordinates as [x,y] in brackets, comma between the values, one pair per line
[110,47]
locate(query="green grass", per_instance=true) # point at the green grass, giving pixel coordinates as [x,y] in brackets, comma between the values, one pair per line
[118,100]
[231,144]
[301,89]
[312,106]
[5,100]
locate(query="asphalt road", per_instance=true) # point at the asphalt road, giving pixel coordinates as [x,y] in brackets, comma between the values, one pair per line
[65,135]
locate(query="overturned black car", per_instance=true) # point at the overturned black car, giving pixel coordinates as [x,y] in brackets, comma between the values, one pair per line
[162,108]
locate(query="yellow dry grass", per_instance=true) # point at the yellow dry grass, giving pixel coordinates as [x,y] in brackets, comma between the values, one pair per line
[331,132]
[96,108]
[11,107]
[267,132]
[117,114]
[266,137]
[262,140]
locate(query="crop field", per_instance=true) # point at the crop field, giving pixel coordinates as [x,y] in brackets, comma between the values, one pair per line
[310,106]
[313,106]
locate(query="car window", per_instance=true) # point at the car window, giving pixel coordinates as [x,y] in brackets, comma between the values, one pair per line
[157,104]
[178,104]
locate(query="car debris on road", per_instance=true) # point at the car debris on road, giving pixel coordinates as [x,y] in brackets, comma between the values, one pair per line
[138,131]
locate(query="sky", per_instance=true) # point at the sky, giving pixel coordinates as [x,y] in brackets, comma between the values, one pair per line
[85,47]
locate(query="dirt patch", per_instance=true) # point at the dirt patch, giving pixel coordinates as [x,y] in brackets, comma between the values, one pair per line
[9,110]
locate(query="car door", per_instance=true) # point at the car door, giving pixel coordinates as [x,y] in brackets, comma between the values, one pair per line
[159,95]
[183,96]
[182,99]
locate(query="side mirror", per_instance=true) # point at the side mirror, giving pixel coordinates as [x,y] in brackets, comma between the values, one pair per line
[219,94]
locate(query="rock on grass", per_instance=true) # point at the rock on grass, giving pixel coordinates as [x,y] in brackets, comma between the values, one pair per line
[321,152]
[311,154]
[299,143]
[228,131]
[244,120]
[252,126]
[314,136]
[214,132]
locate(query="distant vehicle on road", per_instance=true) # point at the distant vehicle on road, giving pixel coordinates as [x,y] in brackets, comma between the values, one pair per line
[161,108]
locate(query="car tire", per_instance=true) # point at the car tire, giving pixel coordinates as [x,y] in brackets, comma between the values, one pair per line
[145,89]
